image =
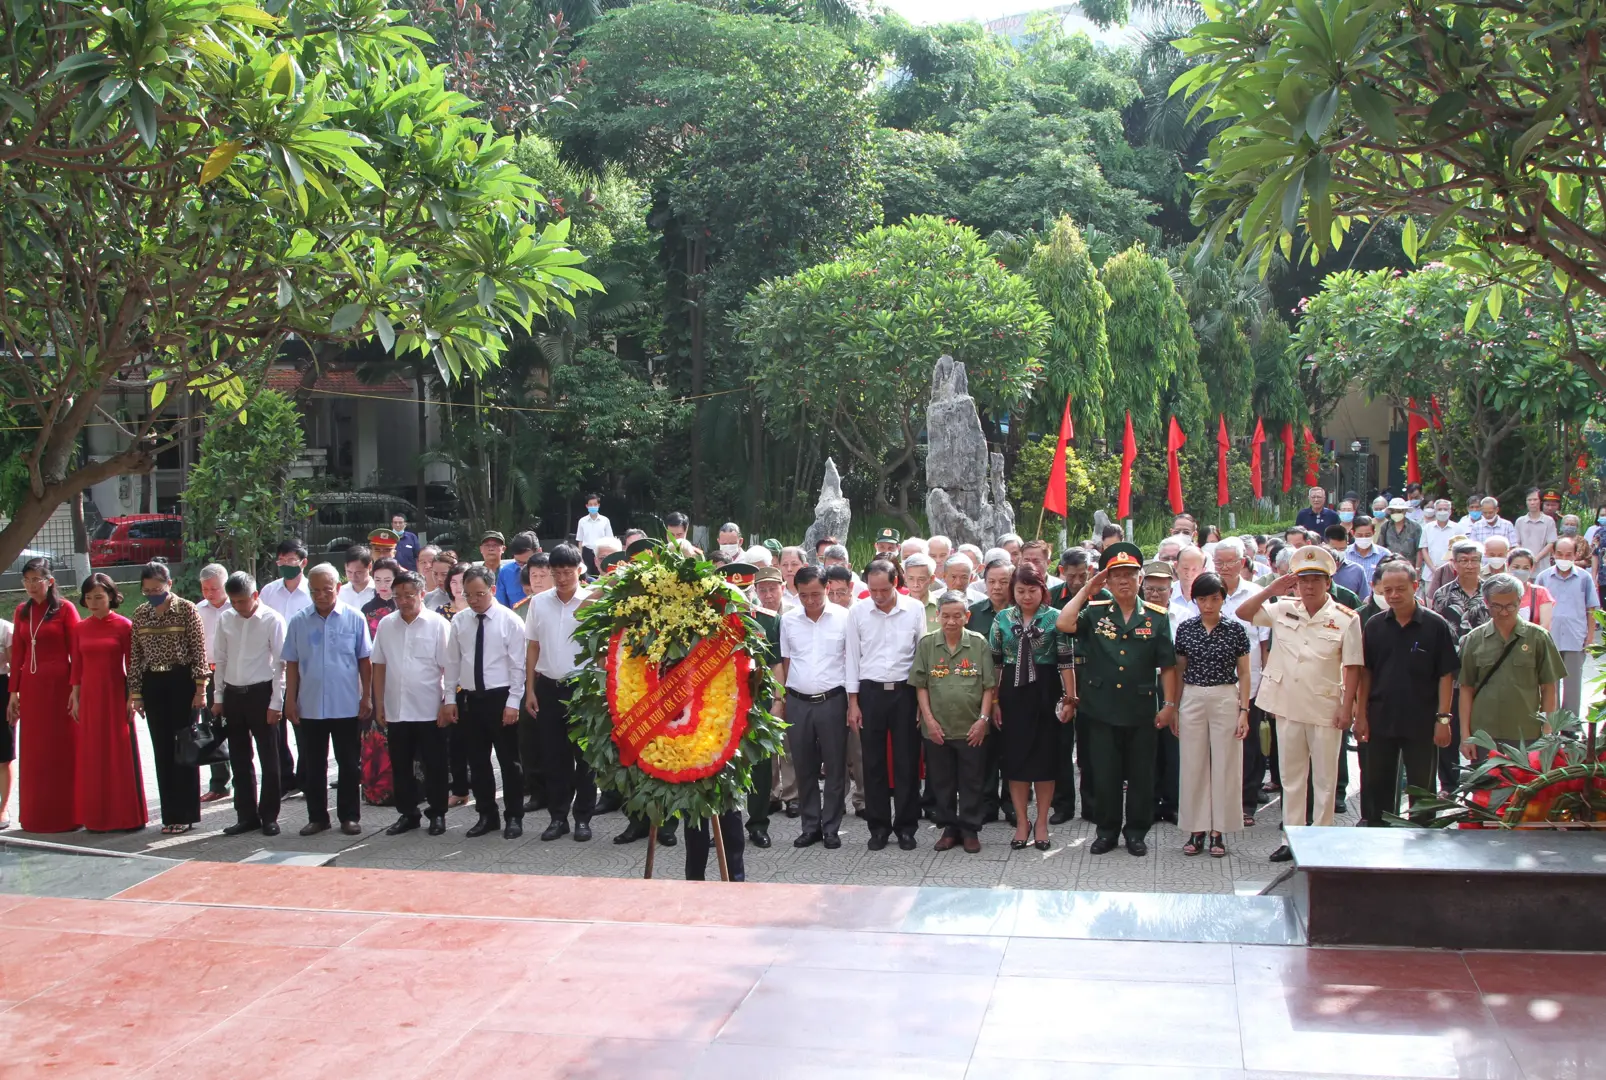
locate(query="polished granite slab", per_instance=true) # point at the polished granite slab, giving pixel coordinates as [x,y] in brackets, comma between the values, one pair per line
[29,869]
[1450,851]
[1105,916]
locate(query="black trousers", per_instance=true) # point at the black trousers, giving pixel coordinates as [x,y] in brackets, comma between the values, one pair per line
[1254,760]
[220,771]
[569,781]
[890,713]
[457,760]
[1123,757]
[1381,762]
[313,739]
[479,714]
[1065,784]
[699,841]
[955,770]
[758,800]
[167,699]
[530,754]
[422,741]
[289,779]
[994,791]
[245,713]
[1167,772]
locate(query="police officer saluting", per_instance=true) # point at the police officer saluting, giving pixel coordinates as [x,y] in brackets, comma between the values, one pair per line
[1121,643]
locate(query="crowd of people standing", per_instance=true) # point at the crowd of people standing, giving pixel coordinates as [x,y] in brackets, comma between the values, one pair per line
[939,681]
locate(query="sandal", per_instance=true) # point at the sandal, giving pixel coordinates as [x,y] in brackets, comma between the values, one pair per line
[176,830]
[1218,846]
[1194,845]
[1249,821]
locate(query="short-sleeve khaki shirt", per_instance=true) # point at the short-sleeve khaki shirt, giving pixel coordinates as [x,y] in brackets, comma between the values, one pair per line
[1508,707]
[954,679]
[1304,676]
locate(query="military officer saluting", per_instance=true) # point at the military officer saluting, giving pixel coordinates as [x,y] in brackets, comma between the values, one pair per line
[1124,647]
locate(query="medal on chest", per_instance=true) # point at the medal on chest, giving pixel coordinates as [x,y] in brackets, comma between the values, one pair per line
[1104,628]
[1144,631]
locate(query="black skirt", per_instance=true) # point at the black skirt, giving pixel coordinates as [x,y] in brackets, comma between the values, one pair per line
[1031,724]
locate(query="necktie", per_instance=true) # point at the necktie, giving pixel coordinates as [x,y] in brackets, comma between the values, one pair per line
[479,654]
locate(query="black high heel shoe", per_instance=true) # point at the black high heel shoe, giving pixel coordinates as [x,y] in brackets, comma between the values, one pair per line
[1040,845]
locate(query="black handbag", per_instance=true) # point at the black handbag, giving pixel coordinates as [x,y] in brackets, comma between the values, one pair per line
[204,742]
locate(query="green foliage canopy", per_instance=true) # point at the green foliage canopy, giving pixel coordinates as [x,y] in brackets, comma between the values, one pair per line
[1153,353]
[1076,360]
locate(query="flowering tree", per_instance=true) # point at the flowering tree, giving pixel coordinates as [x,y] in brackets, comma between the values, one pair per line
[1511,406]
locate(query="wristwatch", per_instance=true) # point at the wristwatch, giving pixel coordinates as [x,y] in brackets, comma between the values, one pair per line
[1444,718]
[1168,705]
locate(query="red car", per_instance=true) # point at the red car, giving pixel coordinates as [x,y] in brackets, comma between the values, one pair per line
[137,538]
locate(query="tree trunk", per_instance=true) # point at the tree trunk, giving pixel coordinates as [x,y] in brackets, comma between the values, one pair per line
[755,456]
[695,256]
[80,534]
[423,445]
[35,508]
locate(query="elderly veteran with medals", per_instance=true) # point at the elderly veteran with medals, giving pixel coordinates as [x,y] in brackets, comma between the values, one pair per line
[1122,643]
[953,677]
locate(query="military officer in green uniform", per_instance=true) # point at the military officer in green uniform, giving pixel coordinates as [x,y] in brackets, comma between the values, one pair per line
[994,796]
[1122,644]
[1074,569]
[768,582]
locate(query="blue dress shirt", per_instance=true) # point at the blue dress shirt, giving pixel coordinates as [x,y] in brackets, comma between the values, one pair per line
[407,550]
[509,590]
[325,650]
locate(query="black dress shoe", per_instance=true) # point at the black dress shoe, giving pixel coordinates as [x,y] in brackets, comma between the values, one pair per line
[808,839]
[1101,846]
[759,838]
[1060,817]
[792,808]
[929,813]
[1339,807]
[486,824]
[906,841]
[1261,798]
[534,803]
[582,831]
[878,840]
[668,839]
[1167,816]
[559,827]
[312,828]
[513,829]
[240,827]
[1137,847]
[632,833]
[862,814]
[437,824]
[833,842]
[1009,818]
[1282,854]
[403,824]
[270,828]
[351,828]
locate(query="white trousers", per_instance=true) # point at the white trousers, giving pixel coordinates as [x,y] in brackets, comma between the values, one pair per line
[1307,755]
[1212,770]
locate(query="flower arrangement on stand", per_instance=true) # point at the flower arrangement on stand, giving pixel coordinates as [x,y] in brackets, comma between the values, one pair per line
[671,712]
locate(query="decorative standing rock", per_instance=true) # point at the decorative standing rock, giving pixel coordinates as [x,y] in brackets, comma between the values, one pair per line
[832,514]
[965,497]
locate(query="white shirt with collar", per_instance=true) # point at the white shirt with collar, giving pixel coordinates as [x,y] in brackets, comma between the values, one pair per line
[1257,634]
[550,623]
[248,651]
[591,528]
[210,613]
[816,650]
[504,652]
[1436,540]
[354,597]
[881,644]
[285,600]
[415,655]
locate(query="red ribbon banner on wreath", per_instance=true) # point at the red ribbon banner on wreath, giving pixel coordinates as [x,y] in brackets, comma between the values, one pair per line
[664,703]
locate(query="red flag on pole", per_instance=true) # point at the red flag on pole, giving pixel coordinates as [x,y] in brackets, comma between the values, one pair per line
[1175,440]
[1288,455]
[1222,445]
[1054,497]
[1310,458]
[1576,484]
[1415,424]
[1255,444]
[1129,454]
[1438,417]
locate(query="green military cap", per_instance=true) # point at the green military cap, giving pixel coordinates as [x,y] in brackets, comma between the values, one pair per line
[888,536]
[1158,568]
[611,560]
[1122,554]
[492,534]
[739,573]
[773,546]
[638,546]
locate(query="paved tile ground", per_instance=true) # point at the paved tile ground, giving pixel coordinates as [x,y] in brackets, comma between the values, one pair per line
[566,977]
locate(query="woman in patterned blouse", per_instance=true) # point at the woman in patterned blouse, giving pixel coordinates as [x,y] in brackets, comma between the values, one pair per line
[1034,689]
[167,682]
[1213,719]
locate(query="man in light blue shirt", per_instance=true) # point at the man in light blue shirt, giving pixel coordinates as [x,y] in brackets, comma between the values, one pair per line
[1365,553]
[326,681]
[1572,621]
[509,586]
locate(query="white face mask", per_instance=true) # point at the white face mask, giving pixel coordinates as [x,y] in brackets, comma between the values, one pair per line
[1522,575]
[1564,565]
[1441,516]
[1494,565]
[1363,543]
[733,550]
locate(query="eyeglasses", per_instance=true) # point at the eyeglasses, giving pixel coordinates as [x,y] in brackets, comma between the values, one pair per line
[1504,609]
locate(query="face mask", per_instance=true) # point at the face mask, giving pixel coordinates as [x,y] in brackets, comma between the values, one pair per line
[1379,511]
[1522,575]
[1490,515]
[1600,520]
[732,550]
[289,573]
[157,599]
[593,510]
[1346,516]
[1569,530]
[1441,516]
[1363,543]
[1397,515]
[1564,565]
[1494,565]
[1413,503]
